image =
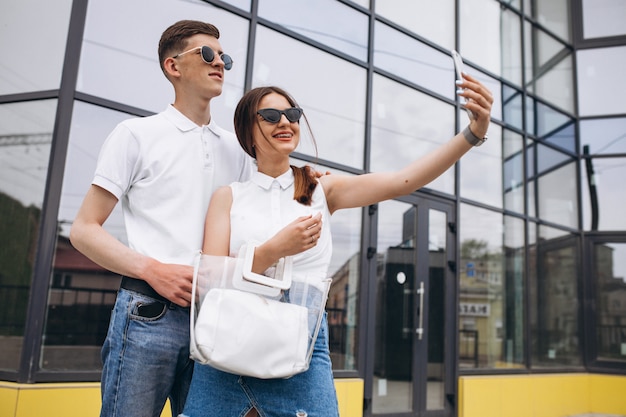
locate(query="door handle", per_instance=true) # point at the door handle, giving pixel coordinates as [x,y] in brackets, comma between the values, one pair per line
[420,329]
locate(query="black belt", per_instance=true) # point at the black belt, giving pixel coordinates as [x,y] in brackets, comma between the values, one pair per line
[142,287]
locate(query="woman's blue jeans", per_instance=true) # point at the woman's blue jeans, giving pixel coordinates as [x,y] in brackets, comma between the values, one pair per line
[214,393]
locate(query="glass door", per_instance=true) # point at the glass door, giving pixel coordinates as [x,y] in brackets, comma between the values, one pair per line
[414,334]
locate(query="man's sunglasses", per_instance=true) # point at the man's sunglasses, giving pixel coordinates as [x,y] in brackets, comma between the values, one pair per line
[208,56]
[292,114]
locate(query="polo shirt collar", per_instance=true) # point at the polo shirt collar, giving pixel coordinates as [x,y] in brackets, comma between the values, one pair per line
[184,124]
[265,181]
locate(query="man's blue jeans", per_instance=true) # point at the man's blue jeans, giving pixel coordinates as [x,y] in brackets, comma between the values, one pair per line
[145,357]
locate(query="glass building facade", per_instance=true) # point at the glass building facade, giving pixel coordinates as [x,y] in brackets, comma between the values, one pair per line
[512,262]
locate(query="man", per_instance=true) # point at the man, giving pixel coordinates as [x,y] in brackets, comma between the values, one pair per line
[164,168]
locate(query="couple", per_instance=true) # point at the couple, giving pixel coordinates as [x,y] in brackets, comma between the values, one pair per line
[166,168]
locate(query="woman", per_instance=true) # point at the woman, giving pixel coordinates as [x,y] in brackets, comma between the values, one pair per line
[289,209]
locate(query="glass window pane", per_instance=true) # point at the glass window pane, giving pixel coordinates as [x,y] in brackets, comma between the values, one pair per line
[557,196]
[512,107]
[603,18]
[480,20]
[24,25]
[513,292]
[136,78]
[599,72]
[344,296]
[481,171]
[608,178]
[555,15]
[407,124]
[327,21]
[242,4]
[432,20]
[609,269]
[482,291]
[513,171]
[414,61]
[511,46]
[564,138]
[396,282]
[25,143]
[81,294]
[554,306]
[335,107]
[549,68]
[547,120]
[603,136]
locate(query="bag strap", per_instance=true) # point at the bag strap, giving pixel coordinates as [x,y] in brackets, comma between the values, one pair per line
[194,352]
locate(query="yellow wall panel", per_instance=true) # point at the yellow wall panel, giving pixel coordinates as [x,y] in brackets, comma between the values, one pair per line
[608,394]
[481,397]
[69,400]
[8,398]
[350,396]
[83,399]
[560,395]
[546,395]
[516,397]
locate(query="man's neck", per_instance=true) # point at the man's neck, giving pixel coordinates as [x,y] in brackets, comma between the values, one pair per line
[197,112]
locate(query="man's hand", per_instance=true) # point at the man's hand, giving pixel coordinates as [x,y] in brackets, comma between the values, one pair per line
[172,281]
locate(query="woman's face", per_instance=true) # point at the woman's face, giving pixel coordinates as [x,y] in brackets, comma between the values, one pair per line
[274,139]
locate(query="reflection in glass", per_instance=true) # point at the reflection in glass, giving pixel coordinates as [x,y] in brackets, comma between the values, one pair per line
[344,296]
[549,69]
[242,4]
[609,174]
[555,15]
[512,108]
[481,20]
[554,302]
[136,79]
[548,120]
[32,22]
[481,171]
[432,21]
[335,107]
[513,310]
[482,289]
[81,294]
[609,268]
[327,21]
[564,138]
[25,143]
[599,71]
[511,46]
[394,329]
[415,61]
[557,196]
[513,171]
[437,267]
[603,18]
[407,124]
[604,136]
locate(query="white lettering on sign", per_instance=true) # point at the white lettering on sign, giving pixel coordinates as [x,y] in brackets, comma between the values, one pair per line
[474,309]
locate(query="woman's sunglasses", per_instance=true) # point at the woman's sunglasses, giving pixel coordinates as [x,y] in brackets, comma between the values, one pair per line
[292,114]
[208,56]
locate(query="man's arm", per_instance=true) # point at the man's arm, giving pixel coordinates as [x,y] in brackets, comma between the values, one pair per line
[90,238]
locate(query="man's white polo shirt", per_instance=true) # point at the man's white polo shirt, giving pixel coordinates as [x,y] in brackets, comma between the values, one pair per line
[164,168]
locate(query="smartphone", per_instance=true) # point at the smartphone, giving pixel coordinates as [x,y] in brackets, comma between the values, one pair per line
[458,66]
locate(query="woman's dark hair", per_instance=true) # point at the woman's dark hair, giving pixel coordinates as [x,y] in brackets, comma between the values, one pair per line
[245,120]
[174,38]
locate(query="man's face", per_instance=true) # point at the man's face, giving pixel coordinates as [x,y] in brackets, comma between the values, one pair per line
[198,76]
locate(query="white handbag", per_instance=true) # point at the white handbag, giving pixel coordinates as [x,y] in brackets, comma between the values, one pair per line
[262,326]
